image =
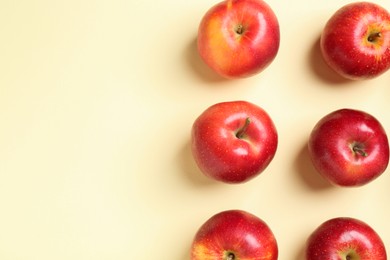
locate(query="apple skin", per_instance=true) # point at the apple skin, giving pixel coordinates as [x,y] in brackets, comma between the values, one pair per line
[345,238]
[239,38]
[234,235]
[355,41]
[227,147]
[349,147]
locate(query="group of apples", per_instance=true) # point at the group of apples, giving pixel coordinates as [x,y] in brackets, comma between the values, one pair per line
[233,142]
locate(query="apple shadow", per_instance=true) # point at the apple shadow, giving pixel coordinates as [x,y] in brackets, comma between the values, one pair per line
[198,66]
[189,168]
[308,173]
[187,254]
[321,69]
[301,254]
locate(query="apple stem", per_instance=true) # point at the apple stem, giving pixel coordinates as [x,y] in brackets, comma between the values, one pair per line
[359,150]
[240,134]
[230,256]
[240,29]
[374,36]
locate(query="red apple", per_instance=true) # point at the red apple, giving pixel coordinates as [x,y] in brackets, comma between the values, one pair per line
[349,147]
[355,41]
[345,239]
[234,235]
[238,38]
[233,141]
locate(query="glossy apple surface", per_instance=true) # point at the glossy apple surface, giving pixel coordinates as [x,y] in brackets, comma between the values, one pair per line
[233,141]
[234,235]
[239,38]
[349,147]
[345,239]
[355,41]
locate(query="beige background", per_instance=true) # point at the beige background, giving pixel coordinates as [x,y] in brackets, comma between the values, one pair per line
[97,99]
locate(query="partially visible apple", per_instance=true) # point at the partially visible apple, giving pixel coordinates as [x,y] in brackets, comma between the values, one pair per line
[234,235]
[349,147]
[355,41]
[239,38]
[233,141]
[345,238]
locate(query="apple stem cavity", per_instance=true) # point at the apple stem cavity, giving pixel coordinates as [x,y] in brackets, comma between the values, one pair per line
[240,134]
[239,29]
[373,37]
[359,150]
[230,256]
